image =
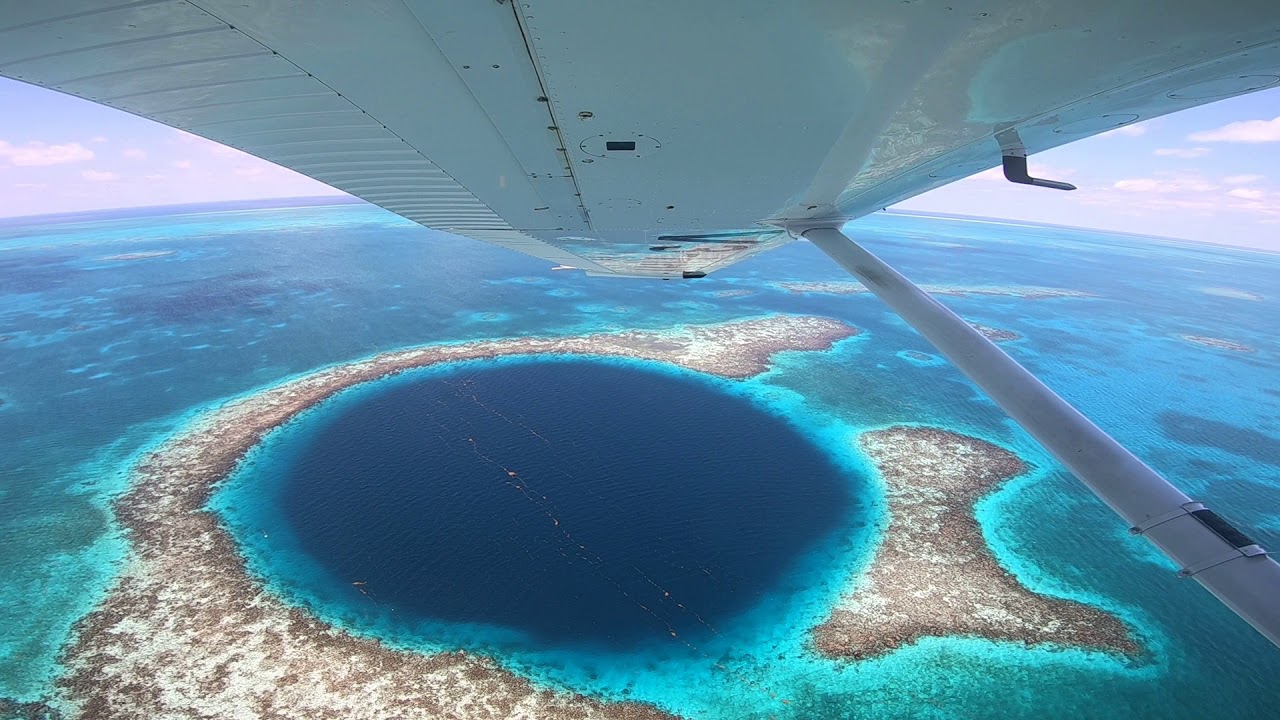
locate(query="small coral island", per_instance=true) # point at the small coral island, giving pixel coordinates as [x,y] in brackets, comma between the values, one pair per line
[995,334]
[1218,343]
[934,575]
[187,632]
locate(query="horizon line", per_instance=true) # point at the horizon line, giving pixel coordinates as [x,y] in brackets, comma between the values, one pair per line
[301,201]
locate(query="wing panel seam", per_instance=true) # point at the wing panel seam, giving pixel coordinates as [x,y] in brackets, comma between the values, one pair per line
[121,43]
[165,66]
[199,86]
[85,13]
[335,92]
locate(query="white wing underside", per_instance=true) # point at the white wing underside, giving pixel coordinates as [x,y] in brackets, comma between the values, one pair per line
[660,138]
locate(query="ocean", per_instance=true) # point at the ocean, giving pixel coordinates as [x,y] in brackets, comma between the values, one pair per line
[388,511]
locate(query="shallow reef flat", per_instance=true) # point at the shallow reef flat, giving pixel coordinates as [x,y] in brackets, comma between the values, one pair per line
[187,632]
[933,574]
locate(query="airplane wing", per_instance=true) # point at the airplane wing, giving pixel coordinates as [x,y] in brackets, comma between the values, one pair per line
[660,138]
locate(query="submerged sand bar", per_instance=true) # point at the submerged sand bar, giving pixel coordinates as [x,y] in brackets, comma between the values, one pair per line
[186,632]
[1218,343]
[853,287]
[934,575]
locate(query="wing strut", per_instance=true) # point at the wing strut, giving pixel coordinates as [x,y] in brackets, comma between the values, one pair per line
[1221,558]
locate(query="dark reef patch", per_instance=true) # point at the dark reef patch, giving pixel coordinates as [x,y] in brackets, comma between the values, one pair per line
[1203,432]
[25,275]
[575,501]
[11,709]
[201,299]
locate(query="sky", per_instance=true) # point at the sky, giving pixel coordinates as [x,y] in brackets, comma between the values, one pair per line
[1209,174]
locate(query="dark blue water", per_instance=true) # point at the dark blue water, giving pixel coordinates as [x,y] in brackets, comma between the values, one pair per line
[579,502]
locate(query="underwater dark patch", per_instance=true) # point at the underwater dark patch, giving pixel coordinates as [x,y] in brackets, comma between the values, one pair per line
[27,275]
[1193,430]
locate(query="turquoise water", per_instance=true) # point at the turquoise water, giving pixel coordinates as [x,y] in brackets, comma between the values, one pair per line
[102,356]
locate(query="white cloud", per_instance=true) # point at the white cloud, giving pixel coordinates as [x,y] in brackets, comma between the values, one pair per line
[99,175]
[98,138]
[1166,184]
[37,153]
[1245,131]
[182,164]
[1189,194]
[31,186]
[1187,153]
[1241,179]
[1135,204]
[134,154]
[1126,131]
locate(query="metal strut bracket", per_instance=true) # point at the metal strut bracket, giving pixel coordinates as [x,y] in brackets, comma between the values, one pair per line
[1015,170]
[1014,157]
[1241,545]
[1183,509]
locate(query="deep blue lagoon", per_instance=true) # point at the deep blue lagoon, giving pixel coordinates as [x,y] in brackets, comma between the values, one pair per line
[579,502]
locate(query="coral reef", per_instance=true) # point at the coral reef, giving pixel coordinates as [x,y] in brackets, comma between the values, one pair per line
[187,632]
[934,575]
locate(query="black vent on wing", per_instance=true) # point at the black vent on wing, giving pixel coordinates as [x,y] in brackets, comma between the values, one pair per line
[621,145]
[1222,528]
[743,236]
